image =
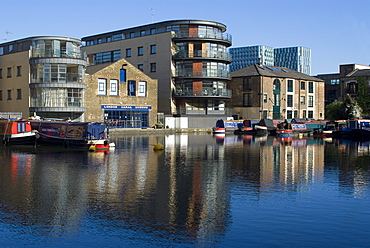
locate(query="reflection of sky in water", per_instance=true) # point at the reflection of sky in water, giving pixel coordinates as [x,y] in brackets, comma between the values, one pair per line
[201,190]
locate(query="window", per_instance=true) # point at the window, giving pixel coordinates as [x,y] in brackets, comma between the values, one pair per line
[1,50]
[114,87]
[290,85]
[304,114]
[128,52]
[264,98]
[295,113]
[303,85]
[140,67]
[117,37]
[11,48]
[246,84]
[334,81]
[107,57]
[310,101]
[102,86]
[153,49]
[247,97]
[9,94]
[142,33]
[142,89]
[1,73]
[9,73]
[290,101]
[310,87]
[152,31]
[310,114]
[289,114]
[19,71]
[1,95]
[153,67]
[131,88]
[140,51]
[122,75]
[19,94]
[132,35]
[303,100]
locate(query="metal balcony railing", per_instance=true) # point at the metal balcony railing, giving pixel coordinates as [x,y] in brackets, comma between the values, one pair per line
[206,92]
[201,73]
[60,78]
[57,53]
[204,54]
[204,35]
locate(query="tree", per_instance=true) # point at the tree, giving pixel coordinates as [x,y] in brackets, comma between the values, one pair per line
[363,98]
[342,110]
[334,111]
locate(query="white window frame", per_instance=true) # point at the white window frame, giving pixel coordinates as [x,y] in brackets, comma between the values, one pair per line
[113,83]
[142,89]
[102,86]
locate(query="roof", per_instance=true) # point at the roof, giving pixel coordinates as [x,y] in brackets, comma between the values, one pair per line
[91,69]
[359,73]
[272,71]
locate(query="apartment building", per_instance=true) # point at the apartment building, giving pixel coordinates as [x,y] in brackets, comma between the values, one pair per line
[271,92]
[339,85]
[43,75]
[189,59]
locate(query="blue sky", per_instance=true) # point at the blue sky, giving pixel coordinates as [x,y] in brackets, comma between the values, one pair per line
[337,31]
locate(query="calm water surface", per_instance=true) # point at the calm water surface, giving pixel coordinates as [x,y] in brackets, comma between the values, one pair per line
[200,191]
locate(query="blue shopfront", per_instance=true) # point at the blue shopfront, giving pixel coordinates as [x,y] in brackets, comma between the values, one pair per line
[126,116]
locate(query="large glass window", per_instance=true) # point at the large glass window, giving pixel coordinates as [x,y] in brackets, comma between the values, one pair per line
[107,57]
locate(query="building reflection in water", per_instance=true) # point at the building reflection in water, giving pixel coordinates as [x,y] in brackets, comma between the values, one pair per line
[183,190]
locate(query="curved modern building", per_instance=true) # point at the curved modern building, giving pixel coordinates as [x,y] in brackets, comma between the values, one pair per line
[43,75]
[188,57]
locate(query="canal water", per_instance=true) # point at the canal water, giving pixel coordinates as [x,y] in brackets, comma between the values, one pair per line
[199,191]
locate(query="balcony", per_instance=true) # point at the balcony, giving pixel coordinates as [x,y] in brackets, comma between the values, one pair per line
[190,111]
[200,73]
[57,53]
[60,78]
[205,54]
[211,36]
[205,92]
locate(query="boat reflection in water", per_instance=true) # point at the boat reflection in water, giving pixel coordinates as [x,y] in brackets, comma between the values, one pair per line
[201,190]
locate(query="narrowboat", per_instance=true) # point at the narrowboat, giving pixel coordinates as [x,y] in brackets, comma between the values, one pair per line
[223,126]
[286,129]
[16,132]
[70,134]
[247,127]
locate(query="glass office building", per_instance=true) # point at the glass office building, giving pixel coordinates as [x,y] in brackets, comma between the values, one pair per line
[295,58]
[250,55]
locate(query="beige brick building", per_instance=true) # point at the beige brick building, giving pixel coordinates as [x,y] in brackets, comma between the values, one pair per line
[121,95]
[276,93]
